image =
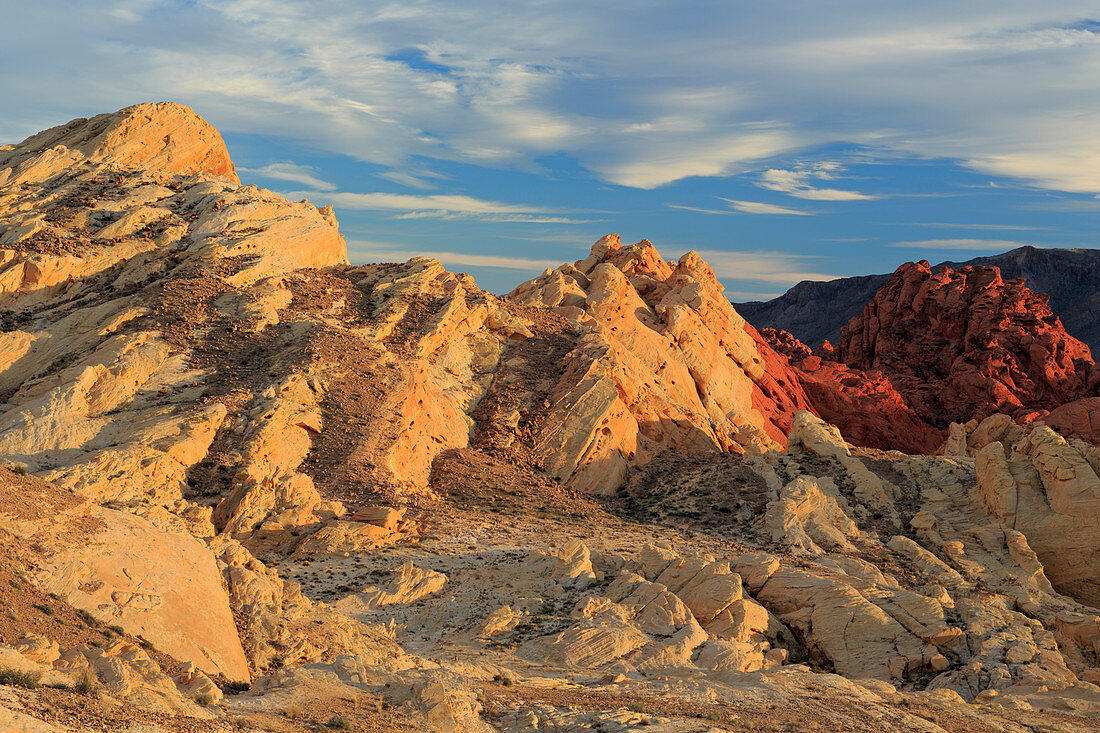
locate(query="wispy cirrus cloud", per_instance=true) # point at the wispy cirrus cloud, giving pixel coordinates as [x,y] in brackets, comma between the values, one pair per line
[413,206]
[360,251]
[302,174]
[801,183]
[961,244]
[423,180]
[757,207]
[1004,87]
[763,266]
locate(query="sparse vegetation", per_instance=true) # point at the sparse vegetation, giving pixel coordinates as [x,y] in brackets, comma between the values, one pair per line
[204,699]
[19,678]
[45,608]
[86,682]
[338,722]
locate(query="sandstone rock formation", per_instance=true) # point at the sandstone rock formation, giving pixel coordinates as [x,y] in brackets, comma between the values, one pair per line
[966,344]
[866,404]
[1036,482]
[691,373]
[815,311]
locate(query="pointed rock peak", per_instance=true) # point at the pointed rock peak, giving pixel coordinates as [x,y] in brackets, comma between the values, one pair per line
[607,243]
[698,269]
[164,135]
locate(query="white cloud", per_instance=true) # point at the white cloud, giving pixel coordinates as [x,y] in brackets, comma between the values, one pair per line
[983,227]
[1007,87]
[964,244]
[700,154]
[290,172]
[420,179]
[442,203]
[797,183]
[701,210]
[762,266]
[368,251]
[756,207]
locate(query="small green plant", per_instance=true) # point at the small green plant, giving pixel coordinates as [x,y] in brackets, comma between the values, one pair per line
[204,699]
[86,682]
[19,469]
[117,630]
[339,722]
[87,618]
[19,678]
[45,608]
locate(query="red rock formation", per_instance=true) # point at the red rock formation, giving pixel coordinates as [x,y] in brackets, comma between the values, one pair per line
[1077,419]
[962,344]
[785,343]
[864,405]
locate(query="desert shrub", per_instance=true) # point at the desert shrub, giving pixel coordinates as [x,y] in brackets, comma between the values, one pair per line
[87,681]
[19,678]
[339,722]
[45,608]
[204,699]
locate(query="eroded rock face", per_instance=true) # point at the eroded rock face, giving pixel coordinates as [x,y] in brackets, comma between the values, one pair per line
[872,412]
[1035,482]
[682,368]
[962,344]
[124,571]
[164,136]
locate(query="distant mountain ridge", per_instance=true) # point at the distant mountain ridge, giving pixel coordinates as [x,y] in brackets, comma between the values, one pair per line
[816,311]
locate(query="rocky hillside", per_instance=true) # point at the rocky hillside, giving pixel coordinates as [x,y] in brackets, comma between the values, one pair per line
[816,311]
[250,487]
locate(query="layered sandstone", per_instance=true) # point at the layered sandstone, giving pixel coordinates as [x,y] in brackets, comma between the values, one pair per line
[691,373]
[1036,482]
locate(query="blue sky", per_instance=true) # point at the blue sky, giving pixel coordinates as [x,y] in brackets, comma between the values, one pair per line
[784,141]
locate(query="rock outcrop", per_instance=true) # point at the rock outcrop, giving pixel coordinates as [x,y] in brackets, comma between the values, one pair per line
[865,403]
[816,311]
[963,344]
[690,372]
[1036,482]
